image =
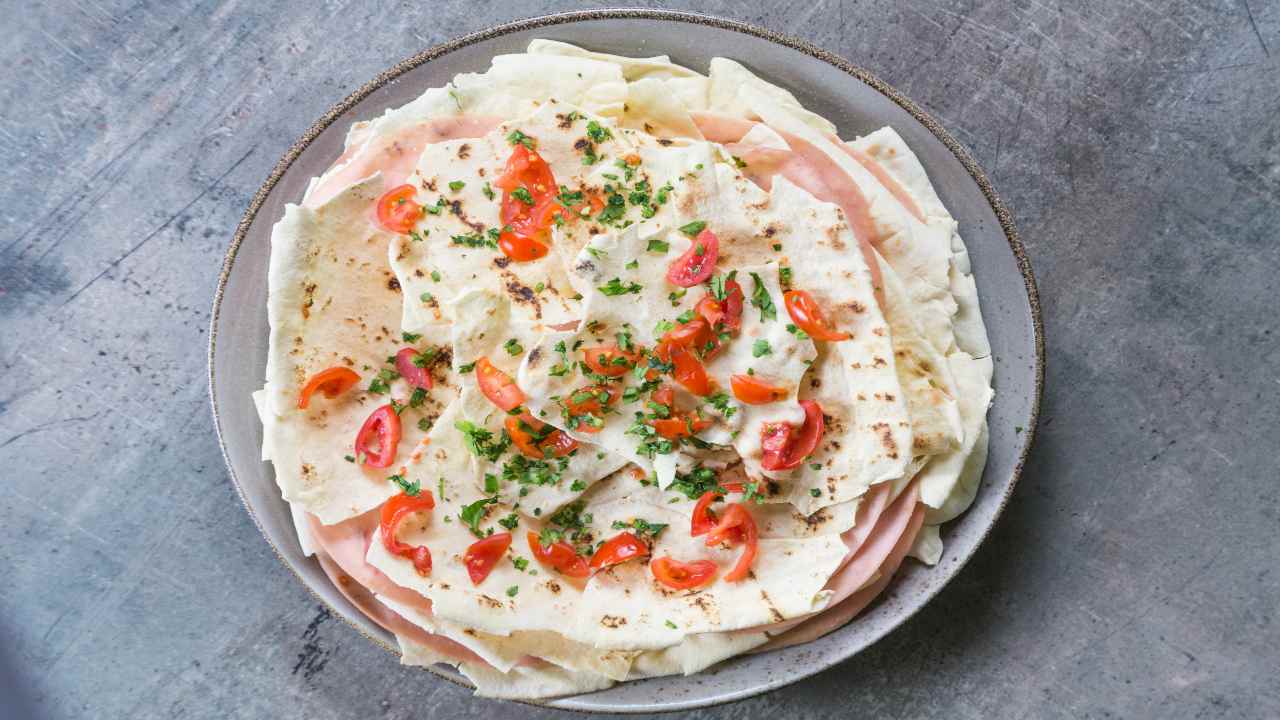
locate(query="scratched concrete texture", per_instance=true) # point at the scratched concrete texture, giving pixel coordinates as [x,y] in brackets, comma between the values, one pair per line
[1134,574]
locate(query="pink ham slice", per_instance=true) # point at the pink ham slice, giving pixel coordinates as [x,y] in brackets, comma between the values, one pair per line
[883,177]
[807,167]
[395,155]
[837,615]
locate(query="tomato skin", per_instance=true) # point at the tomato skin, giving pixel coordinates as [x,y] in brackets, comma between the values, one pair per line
[392,514]
[703,519]
[559,556]
[726,313]
[692,268]
[397,211]
[521,248]
[591,406]
[331,381]
[416,376]
[693,335]
[785,446]
[676,428]
[481,556]
[528,223]
[734,527]
[688,371]
[498,386]
[603,360]
[382,425]
[681,575]
[618,549]
[753,391]
[555,444]
[808,316]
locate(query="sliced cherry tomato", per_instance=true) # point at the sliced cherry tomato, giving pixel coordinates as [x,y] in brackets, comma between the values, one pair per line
[609,360]
[665,395]
[414,375]
[393,513]
[521,248]
[378,438]
[808,316]
[618,549]
[586,406]
[689,371]
[331,381]
[694,334]
[703,519]
[560,556]
[536,439]
[754,391]
[727,312]
[785,446]
[498,386]
[527,178]
[481,556]
[675,428]
[397,211]
[697,263]
[734,527]
[681,575]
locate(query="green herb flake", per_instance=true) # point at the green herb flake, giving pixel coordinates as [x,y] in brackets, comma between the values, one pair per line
[513,347]
[488,191]
[615,287]
[481,442]
[515,137]
[815,492]
[523,195]
[761,348]
[411,489]
[658,246]
[474,513]
[760,298]
[693,228]
[513,591]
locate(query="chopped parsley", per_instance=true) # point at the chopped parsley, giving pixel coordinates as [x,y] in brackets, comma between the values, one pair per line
[481,442]
[456,185]
[409,488]
[490,483]
[597,132]
[435,276]
[670,624]
[424,424]
[513,347]
[696,483]
[800,334]
[521,564]
[760,298]
[523,195]
[510,522]
[464,369]
[693,228]
[513,590]
[474,513]
[615,287]
[474,240]
[784,277]
[410,337]
[488,191]
[761,348]
[658,246]
[720,401]
[515,137]
[642,527]
[815,492]
[526,471]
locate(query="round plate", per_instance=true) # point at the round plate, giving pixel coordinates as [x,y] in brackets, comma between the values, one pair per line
[825,84]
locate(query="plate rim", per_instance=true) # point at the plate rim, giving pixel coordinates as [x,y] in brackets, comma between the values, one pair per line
[1001,210]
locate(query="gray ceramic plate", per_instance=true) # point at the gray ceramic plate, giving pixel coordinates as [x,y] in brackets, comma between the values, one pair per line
[823,82]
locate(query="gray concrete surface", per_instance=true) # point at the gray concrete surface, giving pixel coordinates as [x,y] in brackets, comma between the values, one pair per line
[1135,573]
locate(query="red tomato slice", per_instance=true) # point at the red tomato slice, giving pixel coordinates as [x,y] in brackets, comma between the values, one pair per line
[609,360]
[414,375]
[681,575]
[675,428]
[754,391]
[727,312]
[559,556]
[665,395]
[697,263]
[784,446]
[578,404]
[527,173]
[397,211]
[539,441]
[736,526]
[481,556]
[703,519]
[618,549]
[521,248]
[808,316]
[694,334]
[392,514]
[498,386]
[689,371]
[378,438]
[331,381]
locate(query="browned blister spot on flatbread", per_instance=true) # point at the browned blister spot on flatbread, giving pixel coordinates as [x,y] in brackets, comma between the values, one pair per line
[487,601]
[886,438]
[613,622]
[773,610]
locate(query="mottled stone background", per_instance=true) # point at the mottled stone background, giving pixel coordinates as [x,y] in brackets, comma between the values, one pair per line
[1135,573]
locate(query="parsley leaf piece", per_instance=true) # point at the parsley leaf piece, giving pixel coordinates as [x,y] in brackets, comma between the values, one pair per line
[615,287]
[481,441]
[693,228]
[474,513]
[761,348]
[760,298]
[409,488]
